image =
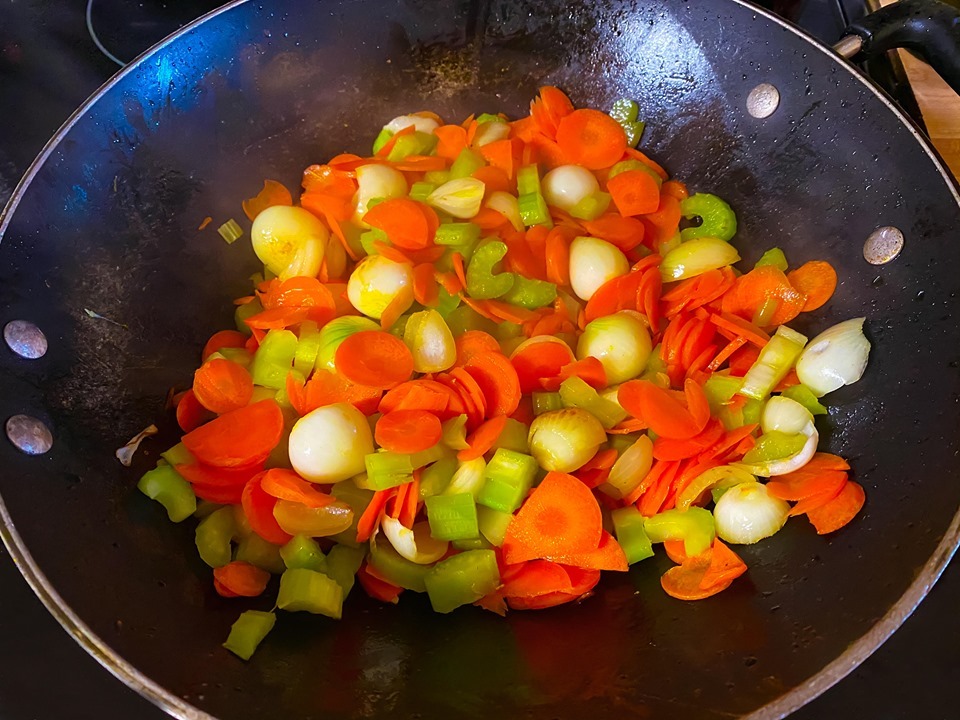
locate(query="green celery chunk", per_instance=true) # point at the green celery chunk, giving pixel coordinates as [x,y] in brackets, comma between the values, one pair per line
[625,112]
[466,164]
[530,293]
[431,454]
[437,177]
[534,210]
[385,481]
[396,569]
[240,356]
[213,536]
[446,303]
[694,526]
[369,237]
[165,485]
[775,257]
[416,143]
[248,632]
[343,562]
[462,579]
[628,526]
[436,476]
[452,517]
[752,411]
[720,390]
[382,139]
[464,318]
[509,477]
[178,455]
[419,191]
[773,363]
[804,395]
[774,445]
[457,233]
[528,180]
[546,402]
[514,437]
[633,164]
[310,591]
[493,524]
[717,217]
[488,117]
[303,552]
[204,508]
[386,464]
[243,312]
[273,360]
[358,499]
[308,347]
[483,282]
[621,443]
[257,551]
[575,392]
[477,543]
[592,206]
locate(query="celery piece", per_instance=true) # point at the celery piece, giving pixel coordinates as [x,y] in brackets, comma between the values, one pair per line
[245,311]
[694,526]
[774,445]
[804,395]
[303,552]
[534,210]
[477,543]
[462,579]
[633,164]
[732,418]
[546,402]
[773,364]
[396,569]
[415,143]
[230,231]
[465,318]
[357,498]
[452,517]
[382,139]
[178,455]
[621,443]
[455,433]
[257,551]
[575,392]
[387,480]
[205,508]
[308,347]
[530,293]
[592,206]
[240,356]
[385,462]
[213,536]
[273,360]
[425,457]
[437,177]
[493,524]
[513,437]
[628,528]
[446,303]
[720,390]
[435,478]
[262,393]
[717,219]
[310,591]
[751,411]
[248,632]
[528,180]
[343,562]
[335,332]
[165,485]
[509,477]
[625,112]
[419,191]
[457,233]
[467,163]
[487,117]
[369,237]
[775,257]
[483,280]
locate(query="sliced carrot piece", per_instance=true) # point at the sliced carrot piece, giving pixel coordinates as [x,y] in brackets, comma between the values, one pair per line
[425,285]
[608,556]
[653,500]
[583,582]
[534,578]
[408,431]
[646,160]
[675,550]
[555,102]
[273,193]
[403,220]
[221,385]
[501,154]
[369,519]
[223,339]
[277,318]
[557,253]
[664,414]
[815,279]
[420,394]
[421,163]
[375,359]
[675,189]
[285,484]
[658,468]
[559,517]
[812,502]
[376,587]
[466,383]
[498,381]
[473,342]
[211,476]
[725,567]
[752,290]
[493,178]
[839,511]
[683,581]
[667,449]
[411,503]
[590,370]
[634,192]
[591,138]
[483,438]
[453,139]
[797,486]
[240,437]
[538,361]
[258,507]
[624,232]
[190,413]
[739,326]
[240,579]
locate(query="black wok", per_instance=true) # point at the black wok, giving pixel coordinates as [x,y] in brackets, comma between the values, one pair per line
[106,221]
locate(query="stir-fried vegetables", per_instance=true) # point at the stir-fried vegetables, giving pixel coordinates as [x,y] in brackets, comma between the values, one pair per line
[475,352]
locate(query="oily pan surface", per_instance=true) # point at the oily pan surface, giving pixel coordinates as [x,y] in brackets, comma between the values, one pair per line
[109,224]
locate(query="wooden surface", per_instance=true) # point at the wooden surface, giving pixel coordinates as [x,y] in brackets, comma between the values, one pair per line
[940,106]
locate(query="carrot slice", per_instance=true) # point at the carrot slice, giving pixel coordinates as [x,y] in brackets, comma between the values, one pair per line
[396,307]
[739,326]
[498,381]
[557,253]
[221,385]
[501,154]
[482,439]
[798,486]
[403,220]
[839,511]
[560,517]
[608,556]
[277,318]
[725,567]
[624,232]
[258,507]
[675,550]
[637,155]
[473,342]
[538,361]
[675,189]
[375,359]
[664,414]
[240,579]
[421,394]
[273,193]
[634,192]
[369,520]
[591,138]
[697,403]
[425,289]
[411,503]
[240,437]
[583,582]
[590,370]
[812,502]
[408,431]
[667,449]
[752,290]
[190,413]
[534,578]
[683,581]
[815,279]
[211,477]
[287,485]
[223,339]
[376,587]
[453,139]
[555,102]
[493,178]
[469,389]
[421,163]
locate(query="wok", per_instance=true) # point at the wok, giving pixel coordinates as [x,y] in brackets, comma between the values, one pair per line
[106,220]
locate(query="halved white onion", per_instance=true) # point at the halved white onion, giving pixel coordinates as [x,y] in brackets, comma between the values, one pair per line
[747,513]
[834,358]
[567,185]
[289,241]
[420,123]
[592,263]
[621,342]
[329,444]
[376,181]
[376,282]
[563,440]
[416,545]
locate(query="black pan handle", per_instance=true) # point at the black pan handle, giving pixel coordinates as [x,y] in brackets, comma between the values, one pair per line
[929,28]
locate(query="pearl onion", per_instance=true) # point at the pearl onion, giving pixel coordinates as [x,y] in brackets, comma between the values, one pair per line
[565,186]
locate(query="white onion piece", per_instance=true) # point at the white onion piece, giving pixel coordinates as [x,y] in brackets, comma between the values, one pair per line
[460,197]
[747,513]
[419,122]
[376,181]
[468,478]
[507,205]
[563,440]
[834,358]
[329,444]
[784,415]
[416,545]
[489,132]
[376,282]
[787,464]
[621,342]
[592,263]
[289,241]
[567,185]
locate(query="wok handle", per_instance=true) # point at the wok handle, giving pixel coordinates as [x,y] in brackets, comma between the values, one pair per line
[929,28]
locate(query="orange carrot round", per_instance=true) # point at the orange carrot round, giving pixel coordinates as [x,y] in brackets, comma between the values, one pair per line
[223,339]
[240,579]
[403,220]
[221,385]
[285,484]
[190,413]
[591,138]
[473,342]
[498,381]
[540,360]
[273,193]
[752,290]
[240,437]
[664,414]
[375,359]
[815,279]
[839,511]
[408,431]
[482,439]
[634,192]
[258,508]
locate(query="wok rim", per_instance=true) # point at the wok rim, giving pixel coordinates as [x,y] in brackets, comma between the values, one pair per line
[169,702]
